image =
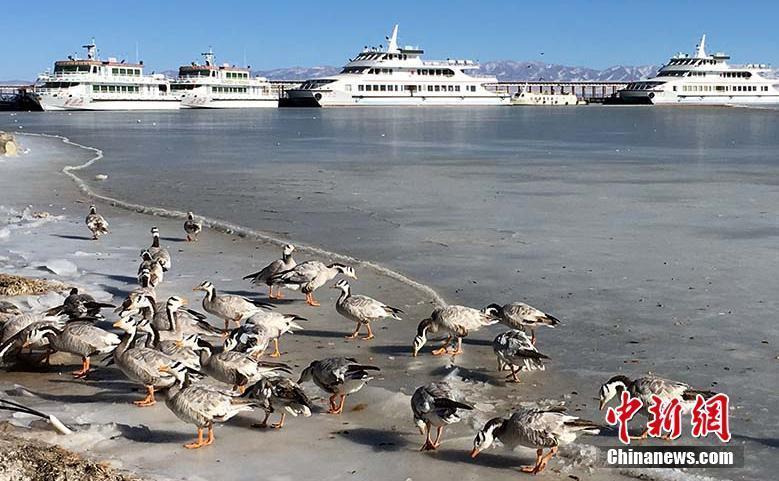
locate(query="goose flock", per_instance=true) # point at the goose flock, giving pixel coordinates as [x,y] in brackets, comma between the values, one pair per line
[164,346]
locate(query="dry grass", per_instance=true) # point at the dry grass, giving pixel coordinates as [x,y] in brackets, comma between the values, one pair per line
[12,285]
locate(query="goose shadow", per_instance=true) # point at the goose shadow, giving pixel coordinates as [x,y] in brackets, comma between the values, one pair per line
[72,237]
[770,442]
[106,396]
[173,239]
[491,460]
[377,439]
[320,333]
[119,278]
[467,374]
[143,434]
[393,350]
[114,291]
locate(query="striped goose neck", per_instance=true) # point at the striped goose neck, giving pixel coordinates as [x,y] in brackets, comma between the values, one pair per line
[155,242]
[126,342]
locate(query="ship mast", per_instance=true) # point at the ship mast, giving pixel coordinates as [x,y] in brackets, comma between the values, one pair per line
[392,41]
[91,50]
[700,51]
[208,56]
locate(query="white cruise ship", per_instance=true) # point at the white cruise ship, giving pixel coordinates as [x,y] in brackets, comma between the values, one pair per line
[94,84]
[211,86]
[705,79]
[398,76]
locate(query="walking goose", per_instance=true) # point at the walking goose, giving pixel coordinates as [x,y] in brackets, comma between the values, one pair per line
[279,265]
[78,305]
[434,405]
[158,252]
[279,394]
[235,368]
[141,364]
[310,276]
[339,376]
[80,338]
[645,387]
[192,227]
[534,428]
[273,325]
[199,404]
[514,350]
[15,332]
[519,315]
[96,223]
[228,307]
[250,339]
[362,309]
[173,320]
[456,321]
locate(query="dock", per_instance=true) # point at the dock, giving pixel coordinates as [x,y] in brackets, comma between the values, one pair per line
[592,92]
[17,97]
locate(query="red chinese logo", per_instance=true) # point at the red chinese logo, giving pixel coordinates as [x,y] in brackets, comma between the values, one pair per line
[709,416]
[628,407]
[665,417]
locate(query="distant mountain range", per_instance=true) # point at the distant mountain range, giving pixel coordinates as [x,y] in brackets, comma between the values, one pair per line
[504,70]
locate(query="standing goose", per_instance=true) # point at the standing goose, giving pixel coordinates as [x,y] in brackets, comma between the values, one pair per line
[362,309]
[199,404]
[8,310]
[78,305]
[80,338]
[515,350]
[279,265]
[15,333]
[310,276]
[174,320]
[519,315]
[339,376]
[434,405]
[645,387]
[250,339]
[140,301]
[226,306]
[235,368]
[534,428]
[192,227]
[96,223]
[273,325]
[158,252]
[456,321]
[141,364]
[279,394]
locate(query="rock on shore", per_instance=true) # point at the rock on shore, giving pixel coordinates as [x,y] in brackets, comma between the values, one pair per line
[8,145]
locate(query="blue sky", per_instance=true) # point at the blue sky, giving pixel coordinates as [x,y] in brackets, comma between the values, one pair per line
[301,32]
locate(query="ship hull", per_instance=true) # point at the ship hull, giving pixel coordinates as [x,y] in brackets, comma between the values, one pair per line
[314,98]
[206,103]
[50,103]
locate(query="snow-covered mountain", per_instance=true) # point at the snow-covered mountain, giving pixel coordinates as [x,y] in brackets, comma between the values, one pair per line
[506,70]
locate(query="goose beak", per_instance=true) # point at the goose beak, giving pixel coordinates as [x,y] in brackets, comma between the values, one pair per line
[179,343]
[475,452]
[184,302]
[164,368]
[26,344]
[117,324]
[601,406]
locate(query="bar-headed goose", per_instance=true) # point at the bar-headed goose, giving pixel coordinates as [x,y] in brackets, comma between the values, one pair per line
[96,223]
[519,315]
[158,252]
[434,404]
[192,227]
[456,321]
[310,276]
[339,376]
[279,394]
[534,428]
[226,306]
[279,265]
[80,338]
[515,351]
[362,309]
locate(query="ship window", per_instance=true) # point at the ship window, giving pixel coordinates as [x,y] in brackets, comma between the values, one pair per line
[456,88]
[360,88]
[96,88]
[383,88]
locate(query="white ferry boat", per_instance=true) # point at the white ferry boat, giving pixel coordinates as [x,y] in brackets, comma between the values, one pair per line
[211,86]
[705,80]
[94,84]
[398,76]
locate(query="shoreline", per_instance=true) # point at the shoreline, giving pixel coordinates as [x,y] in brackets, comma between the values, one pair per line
[505,459]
